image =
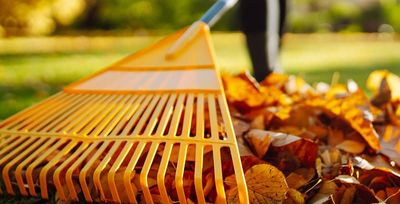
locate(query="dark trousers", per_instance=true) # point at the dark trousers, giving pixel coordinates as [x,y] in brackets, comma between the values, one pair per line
[263,22]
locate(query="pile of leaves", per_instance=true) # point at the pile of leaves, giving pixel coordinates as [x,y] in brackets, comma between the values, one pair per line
[298,144]
[319,144]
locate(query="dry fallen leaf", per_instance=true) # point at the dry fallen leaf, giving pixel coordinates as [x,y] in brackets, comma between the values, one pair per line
[376,77]
[190,154]
[340,191]
[294,197]
[351,146]
[383,95]
[379,179]
[324,132]
[275,80]
[291,156]
[242,93]
[265,184]
[354,108]
[259,141]
[332,143]
[390,140]
[300,177]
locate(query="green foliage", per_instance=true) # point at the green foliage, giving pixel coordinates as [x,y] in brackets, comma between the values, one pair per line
[391,13]
[38,17]
[144,14]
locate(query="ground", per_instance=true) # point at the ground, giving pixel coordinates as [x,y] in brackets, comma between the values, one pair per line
[31,69]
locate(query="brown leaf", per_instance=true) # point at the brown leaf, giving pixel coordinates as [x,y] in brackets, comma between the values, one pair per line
[240,126]
[338,191]
[328,188]
[383,95]
[258,123]
[354,108]
[390,141]
[259,141]
[395,195]
[289,152]
[376,77]
[318,131]
[335,136]
[379,179]
[265,184]
[331,162]
[348,195]
[300,177]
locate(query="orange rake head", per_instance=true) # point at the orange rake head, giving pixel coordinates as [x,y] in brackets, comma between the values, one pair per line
[140,129]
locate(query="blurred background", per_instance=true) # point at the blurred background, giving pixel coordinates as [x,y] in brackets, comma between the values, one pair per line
[47,44]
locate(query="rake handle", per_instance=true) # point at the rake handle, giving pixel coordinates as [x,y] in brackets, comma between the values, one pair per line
[216,11]
[210,18]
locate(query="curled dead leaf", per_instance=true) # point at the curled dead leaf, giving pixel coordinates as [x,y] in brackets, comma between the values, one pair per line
[376,77]
[259,141]
[265,184]
[390,140]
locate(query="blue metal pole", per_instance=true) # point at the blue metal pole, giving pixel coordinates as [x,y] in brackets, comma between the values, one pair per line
[217,10]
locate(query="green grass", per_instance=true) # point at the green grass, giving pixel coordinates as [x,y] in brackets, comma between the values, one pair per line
[31,69]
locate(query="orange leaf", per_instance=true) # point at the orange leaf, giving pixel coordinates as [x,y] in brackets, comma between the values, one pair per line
[242,93]
[354,108]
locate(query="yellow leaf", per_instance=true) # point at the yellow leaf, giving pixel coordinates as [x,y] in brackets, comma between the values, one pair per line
[351,146]
[354,108]
[265,184]
[375,78]
[294,197]
[242,92]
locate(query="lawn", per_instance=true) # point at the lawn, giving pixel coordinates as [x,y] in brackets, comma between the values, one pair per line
[31,69]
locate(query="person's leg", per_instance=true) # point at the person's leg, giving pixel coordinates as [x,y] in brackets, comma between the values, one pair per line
[254,26]
[282,17]
[262,25]
[257,47]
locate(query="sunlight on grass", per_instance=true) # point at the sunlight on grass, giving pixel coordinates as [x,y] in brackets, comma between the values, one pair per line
[31,69]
